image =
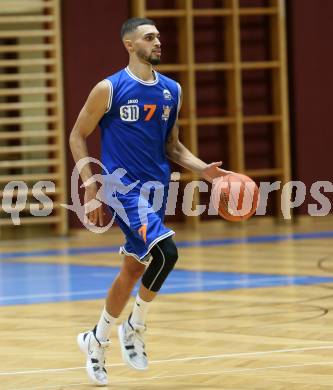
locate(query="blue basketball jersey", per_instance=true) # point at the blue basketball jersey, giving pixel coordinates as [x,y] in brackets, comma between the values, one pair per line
[136,126]
[135,129]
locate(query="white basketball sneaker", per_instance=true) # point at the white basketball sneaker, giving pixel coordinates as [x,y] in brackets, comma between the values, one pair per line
[132,345]
[94,351]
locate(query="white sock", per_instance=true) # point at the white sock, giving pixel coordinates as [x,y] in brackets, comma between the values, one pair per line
[104,326]
[140,310]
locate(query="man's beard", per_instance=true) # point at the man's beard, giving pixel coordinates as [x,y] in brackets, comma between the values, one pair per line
[152,60]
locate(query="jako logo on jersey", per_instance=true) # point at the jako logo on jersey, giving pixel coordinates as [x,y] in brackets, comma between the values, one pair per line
[166,94]
[129,113]
[133,101]
[166,112]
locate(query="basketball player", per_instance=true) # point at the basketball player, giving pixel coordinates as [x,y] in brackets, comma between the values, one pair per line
[136,109]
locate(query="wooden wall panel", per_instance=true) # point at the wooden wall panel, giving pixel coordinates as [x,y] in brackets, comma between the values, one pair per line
[311,79]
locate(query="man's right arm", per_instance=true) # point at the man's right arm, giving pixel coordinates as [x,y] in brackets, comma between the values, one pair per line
[91,113]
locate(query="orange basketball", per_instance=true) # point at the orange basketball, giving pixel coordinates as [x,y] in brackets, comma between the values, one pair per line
[235,197]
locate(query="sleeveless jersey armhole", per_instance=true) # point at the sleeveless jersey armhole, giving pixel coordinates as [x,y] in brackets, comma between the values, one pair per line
[108,108]
[179,98]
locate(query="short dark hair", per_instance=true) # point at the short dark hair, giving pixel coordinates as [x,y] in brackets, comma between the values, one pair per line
[132,24]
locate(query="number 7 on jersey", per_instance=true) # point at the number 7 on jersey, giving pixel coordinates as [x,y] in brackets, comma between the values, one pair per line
[151,108]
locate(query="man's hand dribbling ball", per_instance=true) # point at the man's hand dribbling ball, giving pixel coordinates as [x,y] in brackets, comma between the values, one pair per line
[235,197]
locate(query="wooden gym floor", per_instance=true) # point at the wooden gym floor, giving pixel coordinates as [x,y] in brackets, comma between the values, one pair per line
[249,307]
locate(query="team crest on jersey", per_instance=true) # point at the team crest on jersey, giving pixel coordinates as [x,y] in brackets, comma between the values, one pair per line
[166,112]
[167,94]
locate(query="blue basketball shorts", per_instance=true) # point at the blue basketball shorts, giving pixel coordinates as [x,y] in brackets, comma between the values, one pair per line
[141,221]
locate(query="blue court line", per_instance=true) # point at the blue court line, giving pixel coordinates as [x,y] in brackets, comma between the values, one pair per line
[30,283]
[180,244]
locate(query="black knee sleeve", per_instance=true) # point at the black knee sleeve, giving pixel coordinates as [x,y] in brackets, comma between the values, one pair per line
[165,255]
